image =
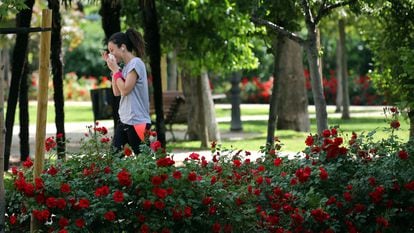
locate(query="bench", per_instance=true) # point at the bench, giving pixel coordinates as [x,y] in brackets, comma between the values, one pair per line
[174,109]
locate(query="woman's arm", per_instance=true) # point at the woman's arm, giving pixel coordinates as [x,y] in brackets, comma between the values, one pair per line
[115,88]
[125,87]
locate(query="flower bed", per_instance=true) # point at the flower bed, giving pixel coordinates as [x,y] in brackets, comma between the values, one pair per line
[339,185]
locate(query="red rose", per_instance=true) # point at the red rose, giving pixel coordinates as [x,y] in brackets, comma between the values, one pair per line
[309,140]
[324,174]
[381,221]
[124,178]
[159,205]
[107,170]
[207,200]
[395,124]
[50,143]
[65,188]
[326,133]
[192,176]
[80,222]
[410,186]
[60,203]
[277,162]
[118,196]
[177,175]
[213,180]
[52,171]
[319,215]
[63,222]
[403,154]
[188,211]
[28,163]
[237,163]
[110,216]
[155,146]
[147,204]
[165,162]
[83,203]
[216,227]
[194,156]
[347,196]
[156,180]
[51,202]
[39,183]
[161,193]
[127,151]
[13,219]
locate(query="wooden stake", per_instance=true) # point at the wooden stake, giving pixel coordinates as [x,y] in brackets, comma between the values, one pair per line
[42,98]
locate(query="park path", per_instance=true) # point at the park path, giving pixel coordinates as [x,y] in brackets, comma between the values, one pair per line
[76,131]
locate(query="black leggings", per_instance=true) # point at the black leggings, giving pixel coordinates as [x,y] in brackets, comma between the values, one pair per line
[126,134]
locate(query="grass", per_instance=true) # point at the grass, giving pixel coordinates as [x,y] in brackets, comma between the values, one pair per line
[295,141]
[254,131]
[73,113]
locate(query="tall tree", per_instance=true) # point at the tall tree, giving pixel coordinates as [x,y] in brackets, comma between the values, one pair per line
[24,114]
[313,12]
[110,12]
[152,38]
[23,19]
[57,72]
[343,69]
[292,98]
[339,94]
[285,113]
[3,74]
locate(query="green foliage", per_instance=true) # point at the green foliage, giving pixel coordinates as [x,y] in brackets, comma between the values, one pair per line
[84,57]
[391,40]
[207,35]
[11,6]
[332,186]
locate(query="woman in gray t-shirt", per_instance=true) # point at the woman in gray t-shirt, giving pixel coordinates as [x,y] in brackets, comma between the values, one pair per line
[132,85]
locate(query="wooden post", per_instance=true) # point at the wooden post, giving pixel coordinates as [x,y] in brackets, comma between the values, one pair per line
[42,98]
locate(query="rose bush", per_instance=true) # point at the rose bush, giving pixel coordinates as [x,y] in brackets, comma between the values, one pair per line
[336,184]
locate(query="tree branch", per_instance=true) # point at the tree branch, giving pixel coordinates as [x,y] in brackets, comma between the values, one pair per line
[308,13]
[328,8]
[279,29]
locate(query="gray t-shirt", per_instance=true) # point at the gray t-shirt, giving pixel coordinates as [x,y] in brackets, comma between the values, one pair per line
[134,107]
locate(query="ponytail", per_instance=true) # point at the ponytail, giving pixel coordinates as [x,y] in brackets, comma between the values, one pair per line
[137,42]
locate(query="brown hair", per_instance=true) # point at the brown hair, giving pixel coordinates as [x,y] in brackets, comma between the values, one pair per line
[132,39]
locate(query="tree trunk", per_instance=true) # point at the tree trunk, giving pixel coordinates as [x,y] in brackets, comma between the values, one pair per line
[208,108]
[191,102]
[57,72]
[236,123]
[344,70]
[202,129]
[411,118]
[316,81]
[277,44]
[339,92]
[172,70]
[292,96]
[3,74]
[24,115]
[111,23]
[23,19]
[152,38]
